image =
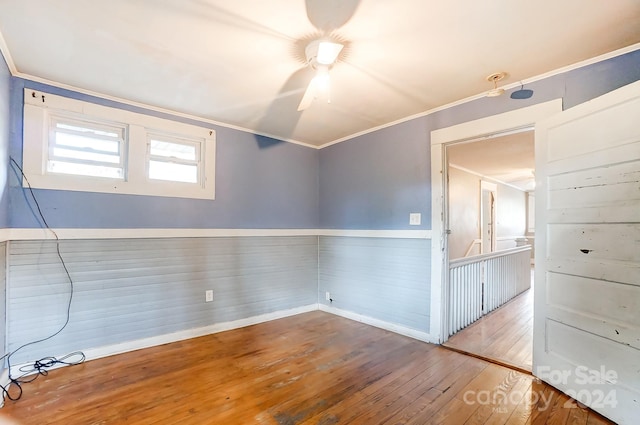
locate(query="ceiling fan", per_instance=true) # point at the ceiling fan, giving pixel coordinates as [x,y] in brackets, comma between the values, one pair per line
[318,50]
[321,55]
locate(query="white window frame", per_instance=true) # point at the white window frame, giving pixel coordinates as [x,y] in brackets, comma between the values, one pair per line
[180,140]
[121,128]
[40,106]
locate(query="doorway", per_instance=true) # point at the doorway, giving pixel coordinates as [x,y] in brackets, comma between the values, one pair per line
[490,297]
[509,121]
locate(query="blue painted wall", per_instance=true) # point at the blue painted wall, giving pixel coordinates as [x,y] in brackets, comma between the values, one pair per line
[5,79]
[5,98]
[374,181]
[370,182]
[260,183]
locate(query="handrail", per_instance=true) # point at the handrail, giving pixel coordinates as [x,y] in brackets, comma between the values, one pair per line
[475,258]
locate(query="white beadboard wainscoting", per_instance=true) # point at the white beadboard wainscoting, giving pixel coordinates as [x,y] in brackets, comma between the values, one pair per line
[4,372]
[144,290]
[3,293]
[135,289]
[385,279]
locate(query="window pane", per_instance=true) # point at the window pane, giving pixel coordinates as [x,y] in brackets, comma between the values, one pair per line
[106,133]
[159,170]
[86,148]
[86,142]
[173,150]
[85,155]
[85,169]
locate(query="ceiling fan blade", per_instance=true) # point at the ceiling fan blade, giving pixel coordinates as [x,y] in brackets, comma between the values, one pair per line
[279,118]
[308,97]
[329,15]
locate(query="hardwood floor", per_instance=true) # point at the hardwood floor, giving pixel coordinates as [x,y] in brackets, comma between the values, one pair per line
[505,334]
[314,368]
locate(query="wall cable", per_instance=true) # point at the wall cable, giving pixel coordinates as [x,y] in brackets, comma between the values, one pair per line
[40,367]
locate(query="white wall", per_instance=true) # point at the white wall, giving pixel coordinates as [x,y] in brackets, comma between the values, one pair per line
[464,213]
[511,216]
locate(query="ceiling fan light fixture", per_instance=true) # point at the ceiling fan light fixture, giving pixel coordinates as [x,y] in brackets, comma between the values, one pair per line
[321,79]
[322,52]
[328,52]
[321,55]
[319,85]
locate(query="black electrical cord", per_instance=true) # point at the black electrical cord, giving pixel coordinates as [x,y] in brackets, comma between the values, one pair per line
[40,367]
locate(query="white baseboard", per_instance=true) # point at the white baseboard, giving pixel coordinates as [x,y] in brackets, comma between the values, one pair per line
[110,350]
[392,327]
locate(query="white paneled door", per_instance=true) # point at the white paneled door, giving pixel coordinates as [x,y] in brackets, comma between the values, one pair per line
[587,287]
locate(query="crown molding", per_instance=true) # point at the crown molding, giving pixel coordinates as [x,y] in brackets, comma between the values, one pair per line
[4,49]
[558,71]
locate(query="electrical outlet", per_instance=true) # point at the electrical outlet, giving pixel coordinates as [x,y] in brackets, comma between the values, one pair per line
[415,219]
[208,295]
[327,296]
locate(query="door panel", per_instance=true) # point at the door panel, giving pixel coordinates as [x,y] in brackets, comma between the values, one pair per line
[595,186]
[594,129]
[595,307]
[587,288]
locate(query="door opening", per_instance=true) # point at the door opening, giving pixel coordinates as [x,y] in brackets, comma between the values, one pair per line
[513,120]
[488,263]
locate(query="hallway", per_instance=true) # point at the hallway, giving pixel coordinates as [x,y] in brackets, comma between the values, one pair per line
[504,335]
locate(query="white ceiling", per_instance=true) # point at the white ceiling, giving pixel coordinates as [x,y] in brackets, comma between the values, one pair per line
[241,62]
[508,158]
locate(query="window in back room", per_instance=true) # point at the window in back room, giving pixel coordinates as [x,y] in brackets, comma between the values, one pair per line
[85,148]
[75,145]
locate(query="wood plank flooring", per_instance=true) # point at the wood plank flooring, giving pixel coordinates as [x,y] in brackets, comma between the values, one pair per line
[314,368]
[505,334]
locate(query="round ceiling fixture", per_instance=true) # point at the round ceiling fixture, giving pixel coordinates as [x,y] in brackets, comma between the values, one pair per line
[495,78]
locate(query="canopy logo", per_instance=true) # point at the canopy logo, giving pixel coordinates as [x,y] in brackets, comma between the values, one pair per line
[590,387]
[587,386]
